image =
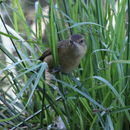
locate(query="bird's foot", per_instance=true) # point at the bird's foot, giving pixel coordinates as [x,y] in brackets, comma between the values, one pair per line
[56,70]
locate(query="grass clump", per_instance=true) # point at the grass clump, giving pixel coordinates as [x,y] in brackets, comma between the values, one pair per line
[96,95]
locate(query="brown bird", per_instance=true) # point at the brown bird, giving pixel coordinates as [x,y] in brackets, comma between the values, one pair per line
[70,52]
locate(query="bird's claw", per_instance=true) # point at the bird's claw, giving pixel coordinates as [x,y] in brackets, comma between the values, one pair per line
[56,70]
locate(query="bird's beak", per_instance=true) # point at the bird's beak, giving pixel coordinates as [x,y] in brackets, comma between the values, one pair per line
[73,43]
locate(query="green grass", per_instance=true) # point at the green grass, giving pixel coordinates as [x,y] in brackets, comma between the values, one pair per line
[100,98]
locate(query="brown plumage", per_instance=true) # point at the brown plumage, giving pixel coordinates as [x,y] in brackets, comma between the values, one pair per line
[70,52]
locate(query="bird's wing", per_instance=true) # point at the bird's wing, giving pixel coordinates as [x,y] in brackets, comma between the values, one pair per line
[45,54]
[48,51]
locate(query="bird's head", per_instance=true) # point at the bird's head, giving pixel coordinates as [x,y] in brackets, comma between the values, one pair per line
[77,39]
[78,44]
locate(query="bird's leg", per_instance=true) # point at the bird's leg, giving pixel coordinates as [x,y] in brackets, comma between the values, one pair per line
[50,74]
[56,70]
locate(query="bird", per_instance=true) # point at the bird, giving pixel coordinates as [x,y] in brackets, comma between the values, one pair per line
[70,53]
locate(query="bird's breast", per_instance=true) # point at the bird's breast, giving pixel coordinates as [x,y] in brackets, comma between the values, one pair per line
[70,59]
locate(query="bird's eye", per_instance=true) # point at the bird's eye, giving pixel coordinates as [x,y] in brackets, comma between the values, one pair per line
[81,41]
[71,41]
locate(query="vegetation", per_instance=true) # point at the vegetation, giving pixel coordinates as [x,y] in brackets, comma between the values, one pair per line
[96,95]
